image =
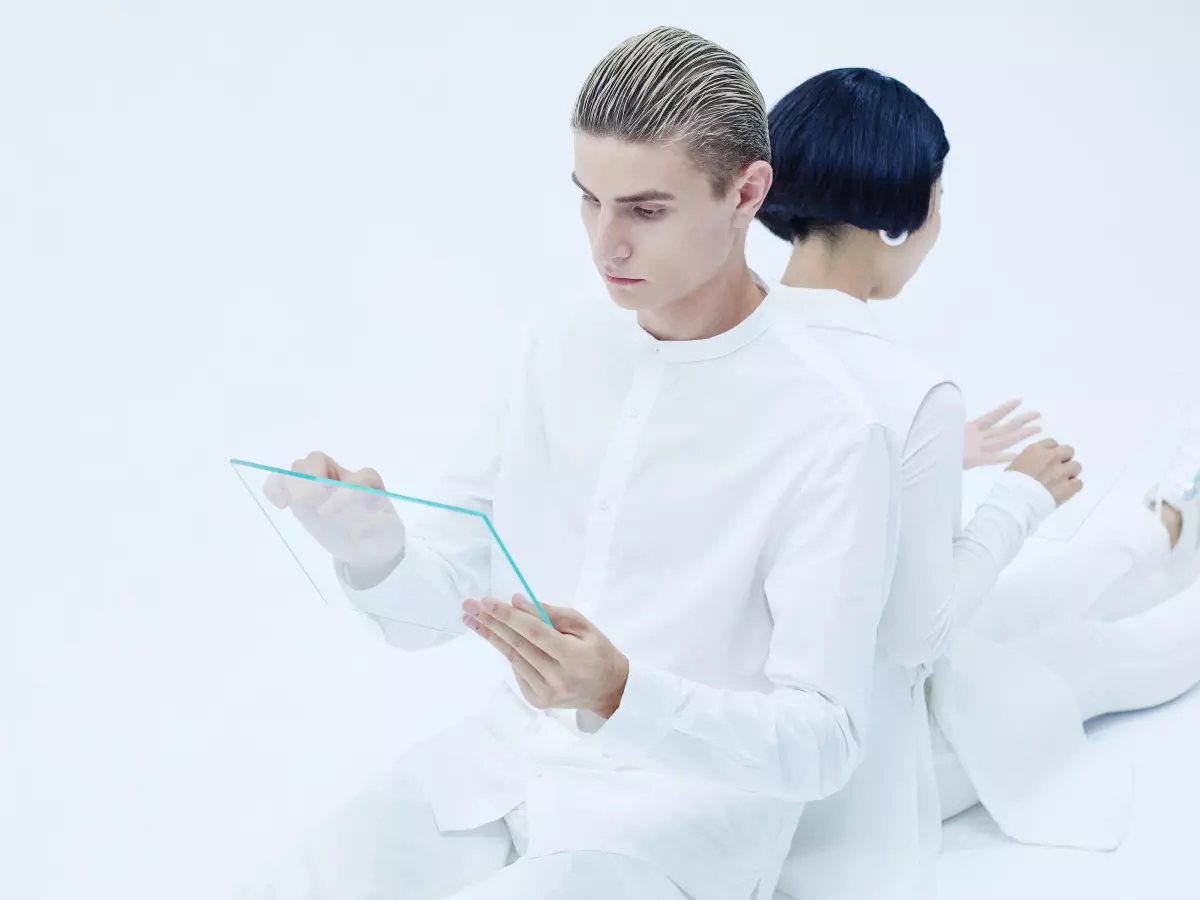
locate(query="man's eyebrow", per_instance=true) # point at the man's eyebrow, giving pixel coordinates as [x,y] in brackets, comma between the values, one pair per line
[650,196]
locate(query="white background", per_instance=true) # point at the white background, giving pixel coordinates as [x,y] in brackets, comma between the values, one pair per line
[252,229]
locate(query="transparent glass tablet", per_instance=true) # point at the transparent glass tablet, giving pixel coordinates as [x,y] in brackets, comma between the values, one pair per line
[401,560]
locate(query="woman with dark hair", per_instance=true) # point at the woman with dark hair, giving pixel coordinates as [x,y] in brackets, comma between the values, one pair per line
[982,683]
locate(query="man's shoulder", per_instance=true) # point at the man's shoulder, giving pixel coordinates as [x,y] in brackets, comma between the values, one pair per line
[828,392]
[886,378]
[898,379]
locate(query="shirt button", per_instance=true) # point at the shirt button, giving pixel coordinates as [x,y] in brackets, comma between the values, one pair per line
[604,505]
[634,413]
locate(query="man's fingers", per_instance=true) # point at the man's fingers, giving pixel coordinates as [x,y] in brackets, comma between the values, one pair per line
[541,661]
[306,491]
[529,635]
[523,603]
[365,477]
[1066,453]
[988,419]
[349,500]
[563,618]
[567,620]
[275,489]
[1072,469]
[1048,443]
[320,465]
[354,496]
[489,630]
[305,495]
[528,624]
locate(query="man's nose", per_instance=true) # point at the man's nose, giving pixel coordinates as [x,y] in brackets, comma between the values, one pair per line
[611,242]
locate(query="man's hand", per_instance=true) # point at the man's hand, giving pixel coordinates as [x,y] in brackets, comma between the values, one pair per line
[988,435]
[1054,465]
[358,527]
[570,666]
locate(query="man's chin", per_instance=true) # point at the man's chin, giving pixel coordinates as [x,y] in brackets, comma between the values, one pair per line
[626,299]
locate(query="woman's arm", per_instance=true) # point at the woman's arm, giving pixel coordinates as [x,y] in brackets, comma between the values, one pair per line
[943,571]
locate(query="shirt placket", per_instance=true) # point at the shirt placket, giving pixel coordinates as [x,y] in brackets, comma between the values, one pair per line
[613,480]
[603,509]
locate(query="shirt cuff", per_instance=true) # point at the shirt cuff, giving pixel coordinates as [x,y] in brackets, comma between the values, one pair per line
[414,593]
[363,581]
[646,713]
[1023,497]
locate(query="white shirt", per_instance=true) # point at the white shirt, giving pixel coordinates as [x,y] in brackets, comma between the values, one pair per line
[879,838]
[725,511]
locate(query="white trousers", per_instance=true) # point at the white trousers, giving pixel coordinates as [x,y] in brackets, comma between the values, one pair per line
[1099,612]
[385,845]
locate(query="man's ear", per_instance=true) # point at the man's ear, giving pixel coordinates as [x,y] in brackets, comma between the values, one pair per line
[752,186]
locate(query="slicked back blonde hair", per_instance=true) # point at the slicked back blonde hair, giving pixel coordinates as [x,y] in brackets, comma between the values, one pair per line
[670,85]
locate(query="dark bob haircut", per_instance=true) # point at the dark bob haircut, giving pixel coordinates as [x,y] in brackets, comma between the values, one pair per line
[852,147]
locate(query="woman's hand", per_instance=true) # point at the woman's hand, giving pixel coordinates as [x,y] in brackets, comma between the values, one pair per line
[989,435]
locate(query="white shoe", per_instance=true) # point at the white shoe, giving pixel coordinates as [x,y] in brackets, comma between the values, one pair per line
[1179,488]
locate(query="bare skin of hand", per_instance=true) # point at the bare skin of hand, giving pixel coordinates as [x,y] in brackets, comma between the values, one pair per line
[570,666]
[1054,465]
[358,527]
[989,436]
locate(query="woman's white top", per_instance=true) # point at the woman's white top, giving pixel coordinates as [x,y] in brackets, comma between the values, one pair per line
[879,837]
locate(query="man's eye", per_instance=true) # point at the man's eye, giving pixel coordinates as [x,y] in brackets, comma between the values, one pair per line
[649,213]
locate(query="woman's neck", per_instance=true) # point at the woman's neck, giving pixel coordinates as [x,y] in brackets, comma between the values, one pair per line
[818,265]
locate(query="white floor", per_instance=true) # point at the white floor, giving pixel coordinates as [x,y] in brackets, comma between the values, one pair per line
[1158,858]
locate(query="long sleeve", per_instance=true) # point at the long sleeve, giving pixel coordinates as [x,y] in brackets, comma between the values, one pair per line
[935,592]
[827,571]
[447,555]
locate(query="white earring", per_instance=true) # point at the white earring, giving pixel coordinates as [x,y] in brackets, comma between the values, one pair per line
[892,241]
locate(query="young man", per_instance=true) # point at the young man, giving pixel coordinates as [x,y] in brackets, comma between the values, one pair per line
[713,511]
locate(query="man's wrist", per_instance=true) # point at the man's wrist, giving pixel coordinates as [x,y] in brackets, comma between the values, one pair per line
[606,706]
[361,578]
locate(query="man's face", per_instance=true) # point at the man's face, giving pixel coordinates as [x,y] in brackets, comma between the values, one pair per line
[657,232]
